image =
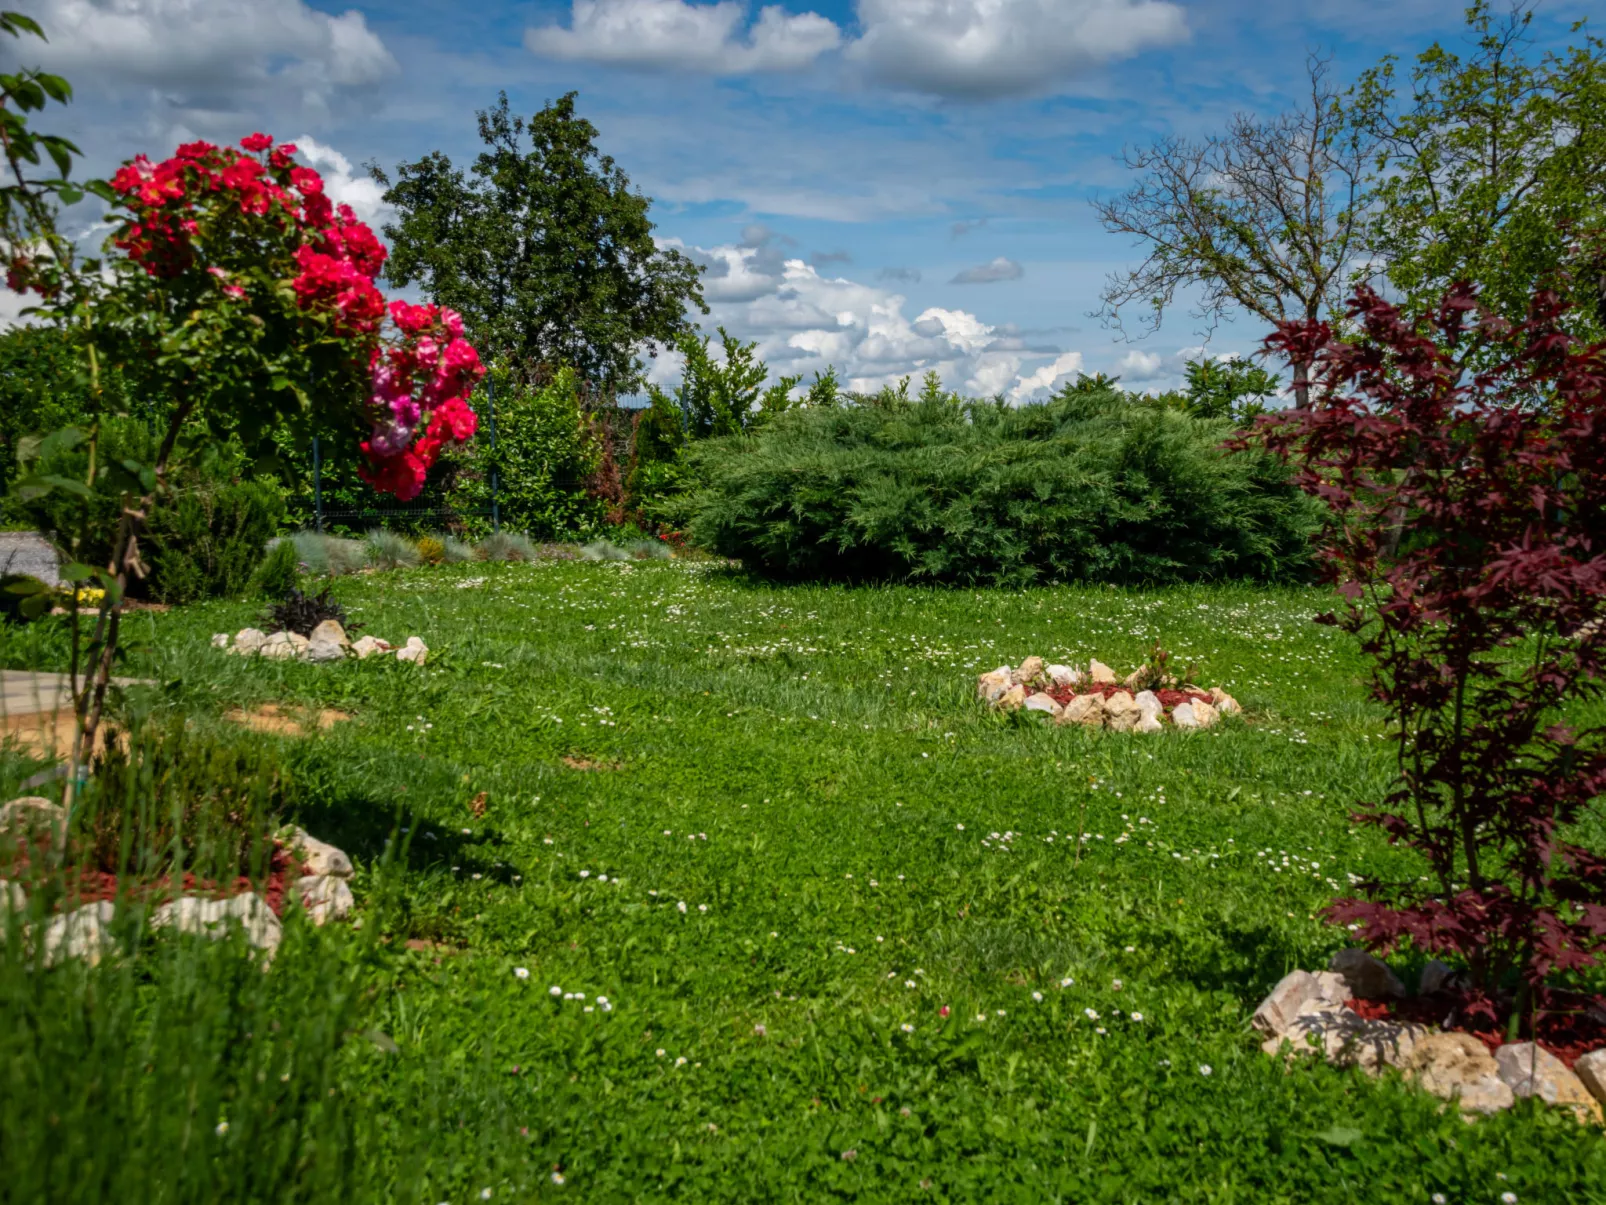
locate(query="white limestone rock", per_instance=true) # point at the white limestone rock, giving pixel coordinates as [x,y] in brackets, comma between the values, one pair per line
[216,918]
[248,641]
[415,651]
[283,646]
[323,651]
[325,897]
[1591,1072]
[319,857]
[331,631]
[1121,712]
[1044,703]
[989,686]
[1458,1067]
[367,646]
[1087,710]
[1531,1070]
[82,933]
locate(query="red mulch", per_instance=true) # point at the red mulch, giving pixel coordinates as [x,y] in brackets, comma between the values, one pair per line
[1168,698]
[92,886]
[1568,1033]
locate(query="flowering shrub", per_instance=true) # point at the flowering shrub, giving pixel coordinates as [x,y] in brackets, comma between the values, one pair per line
[1486,629]
[237,223]
[245,299]
[419,385]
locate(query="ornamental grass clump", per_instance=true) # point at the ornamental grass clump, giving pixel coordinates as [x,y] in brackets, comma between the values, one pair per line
[506,546]
[391,550]
[1467,535]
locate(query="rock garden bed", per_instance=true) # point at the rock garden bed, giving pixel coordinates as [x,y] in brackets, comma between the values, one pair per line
[1146,700]
[1357,1013]
[34,848]
[326,642]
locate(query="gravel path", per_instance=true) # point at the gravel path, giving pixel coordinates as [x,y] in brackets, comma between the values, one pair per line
[27,552]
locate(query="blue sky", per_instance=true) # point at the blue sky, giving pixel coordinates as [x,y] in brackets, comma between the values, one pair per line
[884,185]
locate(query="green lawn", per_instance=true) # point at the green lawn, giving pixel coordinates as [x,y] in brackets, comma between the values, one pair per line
[773,829]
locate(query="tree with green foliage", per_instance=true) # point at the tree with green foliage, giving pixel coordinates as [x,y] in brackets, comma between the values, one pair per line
[45,385]
[1490,169]
[1234,388]
[826,391]
[543,248]
[727,396]
[28,204]
[657,470]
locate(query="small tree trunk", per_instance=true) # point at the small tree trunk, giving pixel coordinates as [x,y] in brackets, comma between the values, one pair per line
[90,704]
[1301,384]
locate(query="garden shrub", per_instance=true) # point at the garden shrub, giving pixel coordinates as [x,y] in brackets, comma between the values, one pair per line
[1089,486]
[546,454]
[205,541]
[209,541]
[280,571]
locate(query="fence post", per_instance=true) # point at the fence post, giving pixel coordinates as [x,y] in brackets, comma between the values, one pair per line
[317,482]
[490,393]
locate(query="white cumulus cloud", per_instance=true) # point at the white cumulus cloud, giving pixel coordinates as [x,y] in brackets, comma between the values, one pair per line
[805,322]
[1064,367]
[182,44]
[988,48]
[954,48]
[342,185]
[673,34]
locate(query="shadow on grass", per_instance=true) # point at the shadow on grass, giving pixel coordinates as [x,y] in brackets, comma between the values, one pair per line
[365,827]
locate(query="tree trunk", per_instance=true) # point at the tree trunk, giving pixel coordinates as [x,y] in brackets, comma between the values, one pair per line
[91,702]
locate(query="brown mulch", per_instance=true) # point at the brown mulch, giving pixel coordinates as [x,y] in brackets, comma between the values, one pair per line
[1169,699]
[93,886]
[585,763]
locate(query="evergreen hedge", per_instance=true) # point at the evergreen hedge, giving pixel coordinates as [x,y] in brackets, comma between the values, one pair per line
[1092,485]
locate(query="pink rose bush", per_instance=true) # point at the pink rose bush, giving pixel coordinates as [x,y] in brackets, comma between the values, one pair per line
[252,234]
[420,386]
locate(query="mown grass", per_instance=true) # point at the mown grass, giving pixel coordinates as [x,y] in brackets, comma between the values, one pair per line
[857,845]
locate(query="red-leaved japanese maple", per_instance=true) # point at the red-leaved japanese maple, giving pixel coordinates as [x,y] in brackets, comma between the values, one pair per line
[1468,538]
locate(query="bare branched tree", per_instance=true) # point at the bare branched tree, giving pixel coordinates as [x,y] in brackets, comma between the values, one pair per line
[1264,218]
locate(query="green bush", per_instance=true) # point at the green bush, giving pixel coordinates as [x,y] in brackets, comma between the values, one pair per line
[205,538]
[279,573]
[545,457]
[1090,486]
